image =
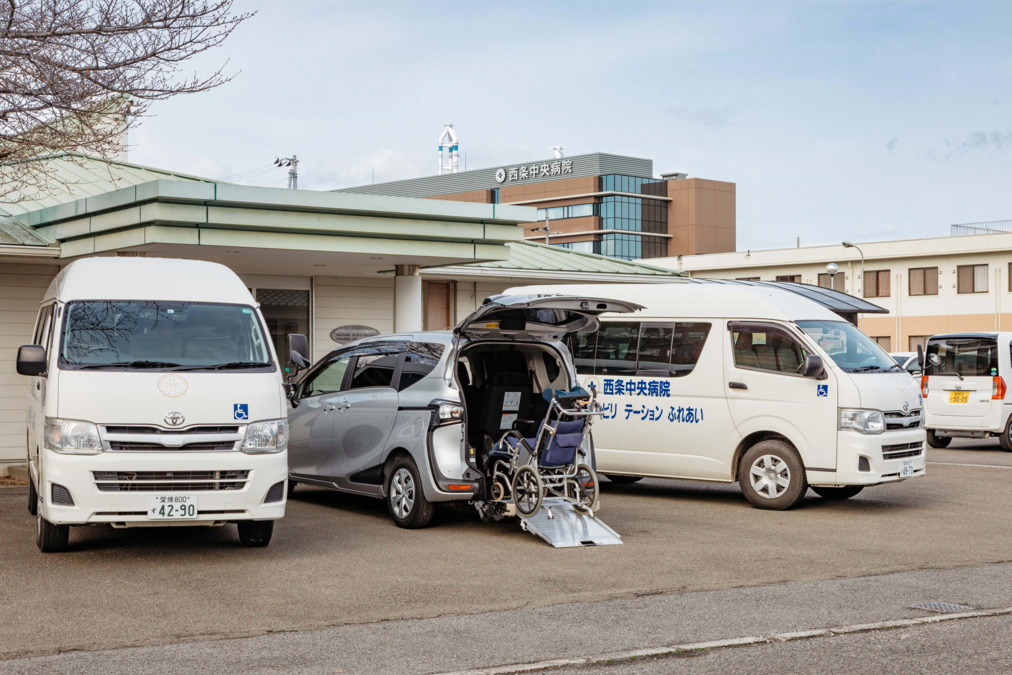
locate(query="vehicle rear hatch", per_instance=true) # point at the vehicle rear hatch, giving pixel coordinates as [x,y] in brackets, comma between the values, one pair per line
[961,385]
[537,317]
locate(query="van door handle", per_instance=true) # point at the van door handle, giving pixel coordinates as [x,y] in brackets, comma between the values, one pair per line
[737,385]
[345,405]
[329,407]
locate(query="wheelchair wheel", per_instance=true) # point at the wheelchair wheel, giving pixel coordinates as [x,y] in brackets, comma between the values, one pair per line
[587,492]
[528,491]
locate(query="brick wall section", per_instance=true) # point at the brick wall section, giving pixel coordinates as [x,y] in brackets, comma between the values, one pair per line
[701,216]
[22,286]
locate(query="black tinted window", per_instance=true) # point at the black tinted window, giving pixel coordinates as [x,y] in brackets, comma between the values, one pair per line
[420,359]
[966,356]
[655,350]
[617,344]
[374,370]
[686,346]
[583,347]
[648,349]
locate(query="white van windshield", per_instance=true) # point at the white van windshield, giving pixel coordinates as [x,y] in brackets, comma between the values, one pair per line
[849,348]
[129,334]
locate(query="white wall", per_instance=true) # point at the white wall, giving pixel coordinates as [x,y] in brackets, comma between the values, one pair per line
[343,301]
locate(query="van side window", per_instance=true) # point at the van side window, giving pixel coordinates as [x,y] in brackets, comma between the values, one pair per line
[329,379]
[43,327]
[583,346]
[766,348]
[686,346]
[655,350]
[617,347]
[419,360]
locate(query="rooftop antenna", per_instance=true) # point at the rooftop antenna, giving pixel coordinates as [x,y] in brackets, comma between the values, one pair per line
[557,152]
[453,148]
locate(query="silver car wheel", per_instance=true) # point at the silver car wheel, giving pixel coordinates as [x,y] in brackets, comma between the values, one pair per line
[770,476]
[402,493]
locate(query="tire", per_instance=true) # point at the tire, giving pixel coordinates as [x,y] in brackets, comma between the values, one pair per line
[405,500]
[776,459]
[1005,440]
[837,493]
[588,490]
[52,538]
[33,496]
[291,488]
[255,533]
[623,480]
[528,491]
[943,441]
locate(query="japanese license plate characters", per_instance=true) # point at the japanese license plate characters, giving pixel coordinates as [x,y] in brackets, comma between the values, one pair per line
[959,397]
[172,507]
[907,468]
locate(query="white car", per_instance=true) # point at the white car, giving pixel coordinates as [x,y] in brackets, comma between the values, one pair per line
[908,362]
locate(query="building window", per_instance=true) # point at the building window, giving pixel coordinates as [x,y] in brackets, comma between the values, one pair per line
[494,195]
[883,341]
[876,284]
[838,281]
[634,184]
[747,279]
[923,280]
[579,246]
[793,278]
[917,340]
[634,214]
[563,212]
[971,279]
[285,311]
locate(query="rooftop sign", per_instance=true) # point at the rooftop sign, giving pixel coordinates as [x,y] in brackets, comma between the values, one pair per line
[528,171]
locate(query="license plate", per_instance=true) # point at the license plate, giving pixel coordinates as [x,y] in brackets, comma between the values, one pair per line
[907,468]
[172,507]
[959,397]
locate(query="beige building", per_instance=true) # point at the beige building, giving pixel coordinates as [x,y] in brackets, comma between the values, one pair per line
[929,286]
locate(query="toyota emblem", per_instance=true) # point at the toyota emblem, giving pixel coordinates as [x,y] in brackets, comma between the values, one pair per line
[906,406]
[174,419]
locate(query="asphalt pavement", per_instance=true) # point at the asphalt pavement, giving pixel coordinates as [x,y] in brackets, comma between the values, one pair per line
[337,563]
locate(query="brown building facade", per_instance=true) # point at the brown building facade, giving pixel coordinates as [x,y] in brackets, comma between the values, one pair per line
[599,203]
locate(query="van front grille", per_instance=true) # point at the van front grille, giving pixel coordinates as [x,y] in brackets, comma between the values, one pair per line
[901,450]
[170,481]
[137,446]
[897,419]
[124,429]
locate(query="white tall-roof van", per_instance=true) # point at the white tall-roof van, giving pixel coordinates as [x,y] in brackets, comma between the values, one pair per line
[155,399]
[753,384]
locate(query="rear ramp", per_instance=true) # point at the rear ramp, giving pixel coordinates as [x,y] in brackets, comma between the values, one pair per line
[563,526]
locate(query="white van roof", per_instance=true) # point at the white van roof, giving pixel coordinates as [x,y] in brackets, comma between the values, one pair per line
[148,279]
[702,301]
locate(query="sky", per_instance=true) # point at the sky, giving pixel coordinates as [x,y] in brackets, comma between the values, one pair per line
[845,119]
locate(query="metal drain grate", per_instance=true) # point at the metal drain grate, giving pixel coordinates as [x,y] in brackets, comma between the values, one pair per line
[942,607]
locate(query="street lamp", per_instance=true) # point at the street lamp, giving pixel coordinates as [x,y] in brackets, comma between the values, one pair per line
[848,244]
[831,270]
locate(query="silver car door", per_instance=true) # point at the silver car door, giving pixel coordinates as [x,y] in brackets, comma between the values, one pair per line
[311,422]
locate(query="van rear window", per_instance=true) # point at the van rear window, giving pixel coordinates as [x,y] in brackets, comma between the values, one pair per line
[646,349]
[965,356]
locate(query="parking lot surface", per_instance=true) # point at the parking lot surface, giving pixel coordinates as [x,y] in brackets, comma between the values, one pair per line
[338,559]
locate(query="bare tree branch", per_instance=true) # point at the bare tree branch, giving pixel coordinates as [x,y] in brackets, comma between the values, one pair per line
[76,74]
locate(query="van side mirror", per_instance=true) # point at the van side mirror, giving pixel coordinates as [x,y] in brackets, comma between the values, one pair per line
[812,367]
[920,357]
[298,348]
[31,360]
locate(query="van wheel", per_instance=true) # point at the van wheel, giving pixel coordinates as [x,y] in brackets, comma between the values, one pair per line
[623,480]
[1006,437]
[52,538]
[835,493]
[255,533]
[772,476]
[407,505]
[33,496]
[943,441]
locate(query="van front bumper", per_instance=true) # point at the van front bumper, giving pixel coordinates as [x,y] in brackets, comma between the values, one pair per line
[864,459]
[110,487]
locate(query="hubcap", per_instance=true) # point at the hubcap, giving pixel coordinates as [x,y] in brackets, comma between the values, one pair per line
[402,493]
[770,477]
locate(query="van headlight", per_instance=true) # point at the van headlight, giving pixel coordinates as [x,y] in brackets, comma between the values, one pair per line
[863,421]
[72,437]
[265,437]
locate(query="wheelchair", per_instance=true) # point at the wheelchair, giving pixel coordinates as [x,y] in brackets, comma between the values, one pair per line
[524,471]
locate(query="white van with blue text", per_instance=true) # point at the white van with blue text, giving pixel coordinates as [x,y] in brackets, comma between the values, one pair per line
[756,384]
[155,399]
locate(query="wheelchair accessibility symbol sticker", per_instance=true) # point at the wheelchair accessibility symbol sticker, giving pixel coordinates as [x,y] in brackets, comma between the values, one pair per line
[241,411]
[822,391]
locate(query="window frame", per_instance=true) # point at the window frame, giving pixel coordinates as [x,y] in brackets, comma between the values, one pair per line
[320,367]
[973,278]
[878,284]
[924,281]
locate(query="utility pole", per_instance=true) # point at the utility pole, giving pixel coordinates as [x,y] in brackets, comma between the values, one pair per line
[547,230]
[293,170]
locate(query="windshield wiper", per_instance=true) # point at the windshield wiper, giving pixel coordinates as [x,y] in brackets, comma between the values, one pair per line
[946,373]
[127,364]
[233,365]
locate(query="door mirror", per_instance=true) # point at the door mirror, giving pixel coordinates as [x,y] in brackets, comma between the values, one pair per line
[812,367]
[934,360]
[920,357]
[31,360]
[298,348]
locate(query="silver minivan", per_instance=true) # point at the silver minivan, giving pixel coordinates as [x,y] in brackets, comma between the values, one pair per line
[410,417]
